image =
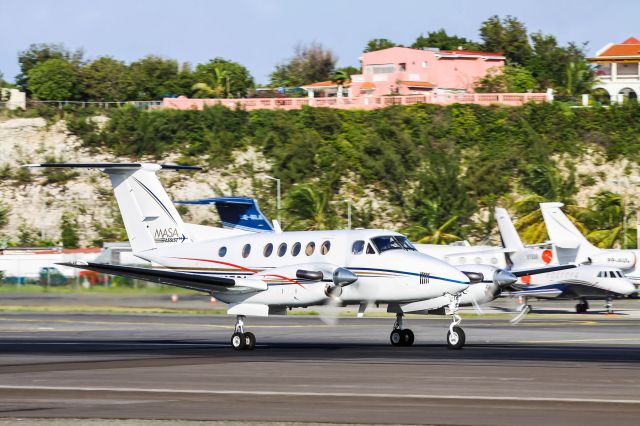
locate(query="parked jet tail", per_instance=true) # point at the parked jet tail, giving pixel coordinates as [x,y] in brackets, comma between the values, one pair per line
[510,238]
[237,213]
[562,232]
[149,217]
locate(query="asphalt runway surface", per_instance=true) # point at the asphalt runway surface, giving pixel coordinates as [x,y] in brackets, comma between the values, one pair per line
[561,369]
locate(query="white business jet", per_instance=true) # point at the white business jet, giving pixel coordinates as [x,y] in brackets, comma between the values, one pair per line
[261,274]
[583,283]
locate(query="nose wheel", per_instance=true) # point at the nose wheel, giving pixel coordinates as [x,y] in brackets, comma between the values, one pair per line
[241,340]
[455,336]
[401,336]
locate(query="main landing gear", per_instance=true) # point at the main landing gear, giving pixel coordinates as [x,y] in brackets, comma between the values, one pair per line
[455,336]
[401,336]
[609,305]
[582,307]
[241,340]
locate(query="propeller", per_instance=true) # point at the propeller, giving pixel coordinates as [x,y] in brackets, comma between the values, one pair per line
[340,277]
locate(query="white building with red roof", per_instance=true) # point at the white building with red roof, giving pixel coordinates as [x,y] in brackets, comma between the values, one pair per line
[618,68]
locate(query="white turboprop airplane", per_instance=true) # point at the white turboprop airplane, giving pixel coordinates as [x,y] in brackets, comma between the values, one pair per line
[572,246]
[585,282]
[261,274]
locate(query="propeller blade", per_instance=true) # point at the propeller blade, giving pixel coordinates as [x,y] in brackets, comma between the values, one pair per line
[330,311]
[524,310]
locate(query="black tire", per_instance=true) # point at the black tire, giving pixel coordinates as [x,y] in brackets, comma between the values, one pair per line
[249,341]
[396,338]
[238,341]
[408,337]
[580,308]
[457,339]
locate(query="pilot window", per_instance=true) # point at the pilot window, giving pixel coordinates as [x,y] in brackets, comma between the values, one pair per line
[600,274]
[392,242]
[311,247]
[268,249]
[246,250]
[222,252]
[325,247]
[619,274]
[295,249]
[282,249]
[370,249]
[357,247]
[612,274]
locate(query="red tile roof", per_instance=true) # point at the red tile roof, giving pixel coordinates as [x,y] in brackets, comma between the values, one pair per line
[367,85]
[321,84]
[418,83]
[629,47]
[472,52]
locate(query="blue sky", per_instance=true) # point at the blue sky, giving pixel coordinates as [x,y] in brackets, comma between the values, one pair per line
[262,33]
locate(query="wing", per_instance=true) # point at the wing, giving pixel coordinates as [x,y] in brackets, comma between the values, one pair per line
[540,292]
[541,270]
[192,281]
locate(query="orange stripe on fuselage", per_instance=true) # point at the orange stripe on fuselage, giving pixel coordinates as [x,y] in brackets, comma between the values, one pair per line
[239,267]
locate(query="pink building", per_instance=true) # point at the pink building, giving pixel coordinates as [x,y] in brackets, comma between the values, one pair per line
[405,71]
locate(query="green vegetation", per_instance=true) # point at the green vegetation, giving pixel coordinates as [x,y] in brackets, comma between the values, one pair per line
[428,164]
[309,64]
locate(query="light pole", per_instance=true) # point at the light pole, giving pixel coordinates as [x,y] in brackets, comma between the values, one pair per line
[348,213]
[277,196]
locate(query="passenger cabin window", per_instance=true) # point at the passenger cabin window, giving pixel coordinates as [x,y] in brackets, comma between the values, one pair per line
[282,249]
[325,247]
[295,249]
[370,249]
[222,252]
[392,242]
[246,250]
[311,247]
[357,247]
[268,249]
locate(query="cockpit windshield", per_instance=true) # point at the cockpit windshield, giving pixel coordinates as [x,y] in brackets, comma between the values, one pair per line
[392,242]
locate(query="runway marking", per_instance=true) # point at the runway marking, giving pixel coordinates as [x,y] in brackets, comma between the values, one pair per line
[630,339]
[323,394]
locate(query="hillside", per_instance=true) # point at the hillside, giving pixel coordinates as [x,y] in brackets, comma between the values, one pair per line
[407,168]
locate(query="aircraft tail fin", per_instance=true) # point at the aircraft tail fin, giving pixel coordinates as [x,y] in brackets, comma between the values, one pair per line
[510,238]
[149,217]
[237,213]
[562,232]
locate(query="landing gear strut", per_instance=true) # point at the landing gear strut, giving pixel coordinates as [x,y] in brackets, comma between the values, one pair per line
[455,336]
[582,307]
[609,305]
[241,340]
[401,336]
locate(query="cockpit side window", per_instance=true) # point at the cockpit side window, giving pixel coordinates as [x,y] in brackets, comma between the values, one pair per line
[600,274]
[357,247]
[370,249]
[620,274]
[392,242]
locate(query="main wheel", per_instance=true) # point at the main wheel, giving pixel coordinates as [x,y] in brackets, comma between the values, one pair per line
[408,337]
[238,341]
[456,339]
[396,337]
[249,341]
[580,308]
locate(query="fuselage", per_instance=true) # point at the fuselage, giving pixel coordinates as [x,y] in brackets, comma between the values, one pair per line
[388,268]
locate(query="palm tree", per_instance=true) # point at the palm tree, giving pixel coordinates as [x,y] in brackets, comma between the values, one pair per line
[203,91]
[223,80]
[308,208]
[434,236]
[340,77]
[608,221]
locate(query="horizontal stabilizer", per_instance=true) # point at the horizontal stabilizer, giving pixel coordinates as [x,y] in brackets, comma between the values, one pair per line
[193,281]
[237,213]
[109,166]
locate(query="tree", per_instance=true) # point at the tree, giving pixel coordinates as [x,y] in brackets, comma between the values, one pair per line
[154,78]
[308,208]
[55,79]
[5,212]
[339,77]
[435,236]
[225,78]
[106,79]
[530,224]
[379,44]
[309,64]
[606,217]
[441,40]
[36,54]
[69,231]
[508,36]
[508,79]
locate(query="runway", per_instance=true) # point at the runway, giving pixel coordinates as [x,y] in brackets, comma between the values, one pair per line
[570,370]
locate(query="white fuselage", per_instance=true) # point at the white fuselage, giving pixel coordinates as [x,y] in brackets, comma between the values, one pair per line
[394,275]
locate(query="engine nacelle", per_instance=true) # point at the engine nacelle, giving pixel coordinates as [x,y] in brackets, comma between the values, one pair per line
[622,259]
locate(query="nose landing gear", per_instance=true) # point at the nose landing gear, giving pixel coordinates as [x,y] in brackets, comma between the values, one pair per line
[455,337]
[241,340]
[401,336]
